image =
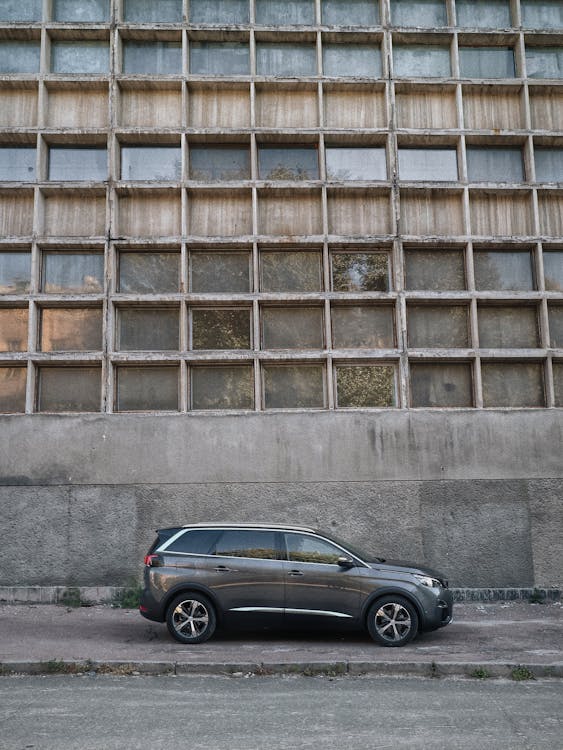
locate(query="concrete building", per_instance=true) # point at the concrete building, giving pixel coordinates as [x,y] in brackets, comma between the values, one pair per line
[291,261]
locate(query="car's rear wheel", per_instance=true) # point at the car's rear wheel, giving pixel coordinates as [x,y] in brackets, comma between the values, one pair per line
[392,621]
[191,618]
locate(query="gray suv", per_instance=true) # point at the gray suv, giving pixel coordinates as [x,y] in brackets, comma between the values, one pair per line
[204,575]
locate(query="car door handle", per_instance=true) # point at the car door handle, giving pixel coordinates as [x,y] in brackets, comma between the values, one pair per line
[223,569]
[295,573]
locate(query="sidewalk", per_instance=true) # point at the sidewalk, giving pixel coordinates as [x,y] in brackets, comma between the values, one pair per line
[492,638]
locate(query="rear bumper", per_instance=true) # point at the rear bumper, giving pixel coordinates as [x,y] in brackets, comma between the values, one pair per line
[149,608]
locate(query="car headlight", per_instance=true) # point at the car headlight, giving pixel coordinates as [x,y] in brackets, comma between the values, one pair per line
[432,583]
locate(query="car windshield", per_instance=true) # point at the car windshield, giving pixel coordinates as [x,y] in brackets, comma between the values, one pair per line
[352,548]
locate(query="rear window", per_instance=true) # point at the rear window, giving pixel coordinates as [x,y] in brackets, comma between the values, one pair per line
[163,535]
[195,542]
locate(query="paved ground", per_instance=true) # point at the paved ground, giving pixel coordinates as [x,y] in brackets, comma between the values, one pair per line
[496,636]
[280,713]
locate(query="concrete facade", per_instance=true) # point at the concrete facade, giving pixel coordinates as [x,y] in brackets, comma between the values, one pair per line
[294,262]
[480,496]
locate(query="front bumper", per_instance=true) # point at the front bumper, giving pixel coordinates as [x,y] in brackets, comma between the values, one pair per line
[441,613]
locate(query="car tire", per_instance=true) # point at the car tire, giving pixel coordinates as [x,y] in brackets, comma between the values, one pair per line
[191,618]
[392,621]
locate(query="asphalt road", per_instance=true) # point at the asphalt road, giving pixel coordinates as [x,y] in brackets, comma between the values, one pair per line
[278,713]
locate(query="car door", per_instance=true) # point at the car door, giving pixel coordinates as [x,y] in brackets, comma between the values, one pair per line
[316,586]
[246,575]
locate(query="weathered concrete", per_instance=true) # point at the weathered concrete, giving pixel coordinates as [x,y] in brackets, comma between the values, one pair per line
[478,494]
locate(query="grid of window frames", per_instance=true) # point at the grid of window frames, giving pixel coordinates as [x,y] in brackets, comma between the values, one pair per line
[250,205]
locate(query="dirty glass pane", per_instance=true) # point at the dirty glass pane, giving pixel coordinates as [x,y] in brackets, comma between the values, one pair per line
[148,329]
[341,60]
[19,57]
[220,328]
[149,273]
[297,271]
[292,328]
[13,329]
[486,62]
[80,10]
[504,270]
[219,59]
[438,326]
[220,272]
[544,62]
[15,273]
[78,164]
[553,271]
[69,389]
[21,10]
[286,59]
[508,327]
[288,163]
[428,164]
[151,163]
[17,164]
[495,164]
[152,58]
[151,11]
[71,330]
[558,382]
[512,384]
[423,13]
[484,14]
[365,386]
[363,327]
[356,164]
[12,389]
[549,164]
[556,326]
[222,387]
[542,14]
[350,12]
[360,272]
[286,13]
[219,163]
[421,61]
[435,270]
[221,12]
[147,388]
[80,57]
[446,385]
[73,273]
[294,387]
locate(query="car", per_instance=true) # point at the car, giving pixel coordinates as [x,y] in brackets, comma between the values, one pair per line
[204,575]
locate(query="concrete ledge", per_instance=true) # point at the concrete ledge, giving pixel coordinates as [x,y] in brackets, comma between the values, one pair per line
[86,595]
[432,669]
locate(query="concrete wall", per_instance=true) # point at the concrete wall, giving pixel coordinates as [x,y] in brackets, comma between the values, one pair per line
[479,495]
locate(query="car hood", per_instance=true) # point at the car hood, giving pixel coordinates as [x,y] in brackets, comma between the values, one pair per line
[402,566]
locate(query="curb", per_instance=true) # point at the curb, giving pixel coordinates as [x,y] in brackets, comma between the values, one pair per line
[433,669]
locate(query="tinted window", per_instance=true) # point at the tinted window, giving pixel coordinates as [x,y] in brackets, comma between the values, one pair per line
[304,548]
[248,543]
[196,542]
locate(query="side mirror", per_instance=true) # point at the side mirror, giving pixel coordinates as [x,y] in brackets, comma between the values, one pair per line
[346,562]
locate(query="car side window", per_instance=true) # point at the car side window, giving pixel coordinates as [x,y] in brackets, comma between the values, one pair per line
[305,548]
[248,543]
[195,542]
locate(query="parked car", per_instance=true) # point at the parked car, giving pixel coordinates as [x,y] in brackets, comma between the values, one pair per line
[203,575]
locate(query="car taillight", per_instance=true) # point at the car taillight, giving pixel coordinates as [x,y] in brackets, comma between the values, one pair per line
[153,561]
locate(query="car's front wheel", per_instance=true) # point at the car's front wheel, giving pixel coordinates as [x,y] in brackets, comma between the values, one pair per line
[191,618]
[392,621]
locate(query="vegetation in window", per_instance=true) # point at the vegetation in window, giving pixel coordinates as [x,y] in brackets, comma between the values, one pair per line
[365,386]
